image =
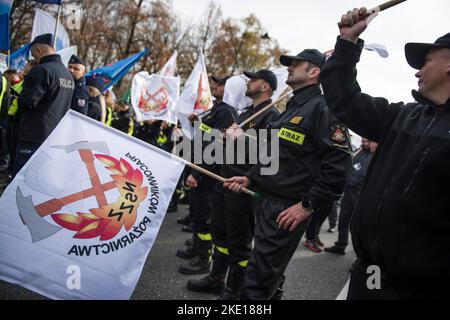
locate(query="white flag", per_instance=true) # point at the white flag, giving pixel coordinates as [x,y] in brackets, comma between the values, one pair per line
[155,96]
[169,68]
[67,53]
[234,92]
[80,218]
[282,75]
[196,96]
[45,23]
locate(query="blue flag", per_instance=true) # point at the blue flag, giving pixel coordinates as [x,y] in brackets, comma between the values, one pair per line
[19,58]
[49,1]
[110,74]
[5,9]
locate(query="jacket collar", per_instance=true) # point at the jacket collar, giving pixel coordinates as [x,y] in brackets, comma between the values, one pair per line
[424,101]
[52,57]
[305,94]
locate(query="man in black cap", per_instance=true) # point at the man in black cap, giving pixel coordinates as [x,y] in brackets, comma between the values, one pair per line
[45,99]
[401,226]
[232,221]
[220,117]
[80,98]
[314,158]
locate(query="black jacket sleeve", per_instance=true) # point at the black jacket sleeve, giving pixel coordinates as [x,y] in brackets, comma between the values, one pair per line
[223,119]
[367,116]
[34,89]
[336,160]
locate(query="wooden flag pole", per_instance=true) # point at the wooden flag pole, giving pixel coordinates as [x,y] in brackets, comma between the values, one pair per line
[379,8]
[283,95]
[211,174]
[219,178]
[56,26]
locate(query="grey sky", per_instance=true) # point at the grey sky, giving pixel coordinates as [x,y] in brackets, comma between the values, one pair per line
[300,24]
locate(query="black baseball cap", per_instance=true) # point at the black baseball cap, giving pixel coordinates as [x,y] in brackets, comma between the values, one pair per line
[219,80]
[266,75]
[416,52]
[46,38]
[311,55]
[76,60]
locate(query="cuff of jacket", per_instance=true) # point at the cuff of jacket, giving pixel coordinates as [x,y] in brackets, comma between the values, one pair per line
[348,50]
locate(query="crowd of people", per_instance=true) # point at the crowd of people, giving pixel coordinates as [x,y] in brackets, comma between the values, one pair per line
[391,192]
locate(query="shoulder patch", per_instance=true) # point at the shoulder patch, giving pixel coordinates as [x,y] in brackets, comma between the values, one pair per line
[339,134]
[296,120]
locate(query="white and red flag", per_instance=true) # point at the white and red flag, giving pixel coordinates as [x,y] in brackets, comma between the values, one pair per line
[80,218]
[196,96]
[155,97]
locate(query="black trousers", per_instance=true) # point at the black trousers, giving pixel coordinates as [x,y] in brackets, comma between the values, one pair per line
[272,252]
[232,224]
[317,220]
[348,204]
[200,203]
[12,135]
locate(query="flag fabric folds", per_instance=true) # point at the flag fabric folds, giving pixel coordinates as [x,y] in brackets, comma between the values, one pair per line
[19,57]
[80,218]
[154,97]
[44,23]
[5,9]
[111,74]
[196,96]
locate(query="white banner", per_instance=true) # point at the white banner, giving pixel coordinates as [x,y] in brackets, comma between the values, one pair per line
[155,96]
[45,23]
[196,96]
[80,218]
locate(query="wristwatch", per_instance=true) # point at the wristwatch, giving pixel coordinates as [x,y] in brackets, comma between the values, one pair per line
[306,204]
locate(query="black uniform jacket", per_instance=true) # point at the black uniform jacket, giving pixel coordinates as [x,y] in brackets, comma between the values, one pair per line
[80,97]
[314,152]
[45,99]
[257,124]
[402,222]
[221,117]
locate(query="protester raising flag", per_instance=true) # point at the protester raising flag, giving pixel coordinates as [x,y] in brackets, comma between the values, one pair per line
[155,96]
[44,23]
[5,9]
[90,209]
[196,96]
[111,74]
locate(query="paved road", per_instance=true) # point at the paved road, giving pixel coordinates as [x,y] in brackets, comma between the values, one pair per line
[310,276]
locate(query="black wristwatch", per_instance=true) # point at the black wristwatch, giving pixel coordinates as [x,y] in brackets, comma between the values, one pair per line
[306,204]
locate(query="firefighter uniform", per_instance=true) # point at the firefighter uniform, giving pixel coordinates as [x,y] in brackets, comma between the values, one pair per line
[314,158]
[221,117]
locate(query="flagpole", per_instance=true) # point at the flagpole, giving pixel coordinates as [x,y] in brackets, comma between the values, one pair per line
[285,93]
[56,26]
[9,36]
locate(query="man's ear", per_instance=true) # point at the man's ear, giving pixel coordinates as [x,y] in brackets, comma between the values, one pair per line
[314,72]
